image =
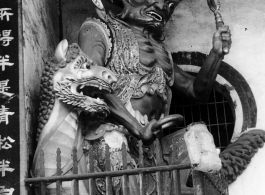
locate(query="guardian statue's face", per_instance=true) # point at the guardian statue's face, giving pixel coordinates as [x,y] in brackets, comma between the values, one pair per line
[148,12]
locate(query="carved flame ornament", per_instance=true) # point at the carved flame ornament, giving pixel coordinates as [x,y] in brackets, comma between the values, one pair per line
[236,157]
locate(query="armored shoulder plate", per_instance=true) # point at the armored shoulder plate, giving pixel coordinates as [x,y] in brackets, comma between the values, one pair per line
[98,29]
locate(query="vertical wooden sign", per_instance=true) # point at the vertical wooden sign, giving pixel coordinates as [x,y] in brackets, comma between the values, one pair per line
[9,99]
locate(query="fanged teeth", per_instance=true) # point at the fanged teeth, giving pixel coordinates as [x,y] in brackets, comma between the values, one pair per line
[99,88]
[99,100]
[81,93]
[154,15]
[143,120]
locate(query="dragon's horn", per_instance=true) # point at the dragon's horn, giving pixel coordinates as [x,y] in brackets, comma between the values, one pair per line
[61,51]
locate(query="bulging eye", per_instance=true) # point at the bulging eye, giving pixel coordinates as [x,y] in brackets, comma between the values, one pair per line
[85,65]
[137,2]
[171,5]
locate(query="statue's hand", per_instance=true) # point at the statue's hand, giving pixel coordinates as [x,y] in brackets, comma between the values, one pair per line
[148,132]
[154,127]
[222,41]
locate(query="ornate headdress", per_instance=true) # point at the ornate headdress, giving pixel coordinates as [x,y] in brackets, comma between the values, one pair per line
[119,3]
[100,6]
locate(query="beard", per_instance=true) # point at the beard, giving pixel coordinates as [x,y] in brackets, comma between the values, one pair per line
[156,30]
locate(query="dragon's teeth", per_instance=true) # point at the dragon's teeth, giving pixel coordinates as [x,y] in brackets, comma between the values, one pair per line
[100,88]
[81,93]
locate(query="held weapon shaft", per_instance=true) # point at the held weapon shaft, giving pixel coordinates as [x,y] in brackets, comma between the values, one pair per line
[218,19]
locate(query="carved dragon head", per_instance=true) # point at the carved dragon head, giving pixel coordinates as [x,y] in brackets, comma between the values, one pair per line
[80,82]
[74,79]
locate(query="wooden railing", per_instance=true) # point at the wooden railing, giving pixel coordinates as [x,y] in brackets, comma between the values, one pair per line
[42,180]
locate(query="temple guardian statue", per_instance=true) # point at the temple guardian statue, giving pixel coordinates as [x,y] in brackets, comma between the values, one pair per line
[114,87]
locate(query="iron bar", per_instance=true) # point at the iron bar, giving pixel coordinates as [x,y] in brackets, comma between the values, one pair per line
[159,162]
[42,173]
[75,171]
[58,172]
[125,180]
[84,176]
[227,139]
[141,165]
[176,182]
[108,169]
[91,182]
[209,122]
[217,121]
[158,183]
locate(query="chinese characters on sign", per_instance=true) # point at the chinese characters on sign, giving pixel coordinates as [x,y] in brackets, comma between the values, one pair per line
[5,13]
[5,37]
[4,114]
[6,142]
[3,90]
[9,105]
[4,61]
[4,167]
[4,86]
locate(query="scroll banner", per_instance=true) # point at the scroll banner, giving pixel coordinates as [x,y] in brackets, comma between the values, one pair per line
[9,99]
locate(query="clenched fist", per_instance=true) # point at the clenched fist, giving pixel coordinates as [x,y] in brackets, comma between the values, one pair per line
[222,40]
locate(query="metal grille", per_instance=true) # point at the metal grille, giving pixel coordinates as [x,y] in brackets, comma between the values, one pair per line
[216,113]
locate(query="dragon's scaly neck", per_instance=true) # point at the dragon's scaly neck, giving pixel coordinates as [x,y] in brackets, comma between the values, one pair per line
[61,115]
[59,132]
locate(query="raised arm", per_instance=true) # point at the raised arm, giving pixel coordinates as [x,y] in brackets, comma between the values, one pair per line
[199,87]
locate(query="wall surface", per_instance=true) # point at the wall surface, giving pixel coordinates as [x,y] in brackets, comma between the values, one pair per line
[40,37]
[191,29]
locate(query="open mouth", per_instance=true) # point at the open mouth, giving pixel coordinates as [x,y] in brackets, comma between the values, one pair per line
[94,90]
[154,15]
